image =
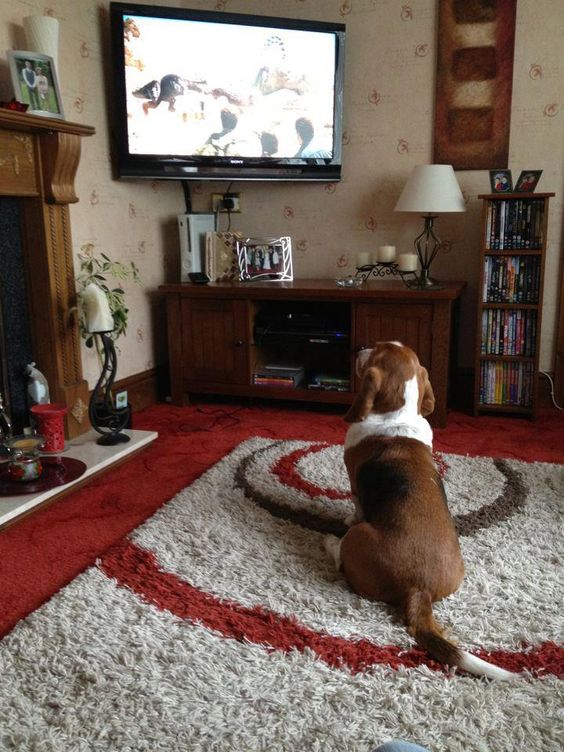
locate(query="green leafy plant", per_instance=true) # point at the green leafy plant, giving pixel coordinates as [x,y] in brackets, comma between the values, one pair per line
[107,274]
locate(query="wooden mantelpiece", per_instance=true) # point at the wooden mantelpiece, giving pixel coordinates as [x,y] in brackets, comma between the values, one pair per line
[39,159]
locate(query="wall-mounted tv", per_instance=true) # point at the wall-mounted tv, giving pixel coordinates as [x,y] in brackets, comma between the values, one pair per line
[210,95]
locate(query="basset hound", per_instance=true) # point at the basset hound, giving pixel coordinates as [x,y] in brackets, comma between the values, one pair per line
[402,546]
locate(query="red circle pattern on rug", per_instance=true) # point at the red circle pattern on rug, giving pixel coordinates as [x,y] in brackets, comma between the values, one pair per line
[44,551]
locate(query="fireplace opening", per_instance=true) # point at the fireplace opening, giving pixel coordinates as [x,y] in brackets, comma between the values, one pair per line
[15,329]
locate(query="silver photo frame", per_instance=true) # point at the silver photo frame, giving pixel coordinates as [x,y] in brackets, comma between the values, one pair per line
[35,83]
[265,259]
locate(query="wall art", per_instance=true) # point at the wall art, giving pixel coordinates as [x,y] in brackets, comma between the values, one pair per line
[476,40]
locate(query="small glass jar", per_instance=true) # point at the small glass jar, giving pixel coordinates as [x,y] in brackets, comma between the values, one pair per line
[25,461]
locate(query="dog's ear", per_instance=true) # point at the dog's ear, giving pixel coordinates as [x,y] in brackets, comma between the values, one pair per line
[426,394]
[364,400]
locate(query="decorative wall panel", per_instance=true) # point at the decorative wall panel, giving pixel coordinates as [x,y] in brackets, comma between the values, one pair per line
[475,46]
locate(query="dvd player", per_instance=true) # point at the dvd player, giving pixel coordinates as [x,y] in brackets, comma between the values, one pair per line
[314,328]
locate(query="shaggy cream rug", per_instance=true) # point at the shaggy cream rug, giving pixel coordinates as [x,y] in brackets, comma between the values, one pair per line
[220,624]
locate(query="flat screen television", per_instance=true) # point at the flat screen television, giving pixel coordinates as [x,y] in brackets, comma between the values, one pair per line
[210,95]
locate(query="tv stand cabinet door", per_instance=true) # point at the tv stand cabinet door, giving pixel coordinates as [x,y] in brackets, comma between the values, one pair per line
[425,327]
[395,322]
[215,346]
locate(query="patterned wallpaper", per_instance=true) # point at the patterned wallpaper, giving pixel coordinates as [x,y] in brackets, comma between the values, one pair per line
[388,129]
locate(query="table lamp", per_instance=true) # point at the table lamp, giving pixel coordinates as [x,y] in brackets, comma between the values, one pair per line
[430,190]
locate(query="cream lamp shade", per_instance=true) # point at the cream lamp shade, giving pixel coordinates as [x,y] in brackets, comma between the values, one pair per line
[431,189]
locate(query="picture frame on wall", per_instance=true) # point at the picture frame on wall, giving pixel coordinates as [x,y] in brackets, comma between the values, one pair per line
[528,181]
[265,259]
[501,181]
[35,82]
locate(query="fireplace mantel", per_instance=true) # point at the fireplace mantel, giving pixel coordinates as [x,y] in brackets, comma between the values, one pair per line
[39,159]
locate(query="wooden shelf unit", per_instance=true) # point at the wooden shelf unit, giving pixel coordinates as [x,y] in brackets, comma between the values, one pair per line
[510,296]
[213,348]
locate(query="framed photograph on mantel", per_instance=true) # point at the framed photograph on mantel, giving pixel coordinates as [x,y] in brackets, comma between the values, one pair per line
[35,83]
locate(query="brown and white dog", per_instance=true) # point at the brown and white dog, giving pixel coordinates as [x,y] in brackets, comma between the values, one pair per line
[402,547]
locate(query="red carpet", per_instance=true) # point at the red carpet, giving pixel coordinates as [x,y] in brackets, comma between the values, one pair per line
[46,550]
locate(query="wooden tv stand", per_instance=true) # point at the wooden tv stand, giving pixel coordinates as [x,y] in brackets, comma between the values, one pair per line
[213,348]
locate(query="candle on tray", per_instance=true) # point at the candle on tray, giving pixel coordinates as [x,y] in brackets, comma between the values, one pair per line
[363,259]
[96,309]
[387,253]
[407,262]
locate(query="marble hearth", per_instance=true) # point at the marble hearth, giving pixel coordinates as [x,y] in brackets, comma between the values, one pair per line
[97,459]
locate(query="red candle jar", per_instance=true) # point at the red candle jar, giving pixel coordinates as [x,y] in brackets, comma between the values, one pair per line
[50,425]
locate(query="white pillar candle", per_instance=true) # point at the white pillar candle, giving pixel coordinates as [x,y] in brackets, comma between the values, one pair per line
[362,259]
[96,309]
[387,253]
[407,262]
[42,35]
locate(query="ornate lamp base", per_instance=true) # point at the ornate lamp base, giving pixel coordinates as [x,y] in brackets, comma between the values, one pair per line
[107,419]
[423,281]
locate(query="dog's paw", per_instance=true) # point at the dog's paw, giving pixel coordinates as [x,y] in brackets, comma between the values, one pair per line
[353,519]
[333,547]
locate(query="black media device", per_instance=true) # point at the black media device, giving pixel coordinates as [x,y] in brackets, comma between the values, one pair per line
[198,278]
[323,327]
[210,95]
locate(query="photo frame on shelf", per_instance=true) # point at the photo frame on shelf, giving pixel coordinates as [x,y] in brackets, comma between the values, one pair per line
[35,82]
[265,259]
[528,181]
[193,228]
[501,181]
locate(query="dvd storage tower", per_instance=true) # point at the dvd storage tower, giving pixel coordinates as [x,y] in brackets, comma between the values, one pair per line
[510,296]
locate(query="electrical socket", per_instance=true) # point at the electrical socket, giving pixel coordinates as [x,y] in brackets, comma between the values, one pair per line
[121,399]
[217,202]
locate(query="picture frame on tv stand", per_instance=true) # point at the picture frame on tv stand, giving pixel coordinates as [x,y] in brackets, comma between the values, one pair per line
[267,259]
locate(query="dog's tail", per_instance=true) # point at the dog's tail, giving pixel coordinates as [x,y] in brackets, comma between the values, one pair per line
[428,634]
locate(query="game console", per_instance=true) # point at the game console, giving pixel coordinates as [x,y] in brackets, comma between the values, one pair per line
[191,259]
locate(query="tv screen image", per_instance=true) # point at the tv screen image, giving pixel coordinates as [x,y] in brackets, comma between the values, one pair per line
[210,95]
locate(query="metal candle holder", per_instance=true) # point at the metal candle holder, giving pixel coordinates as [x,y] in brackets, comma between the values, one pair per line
[105,417]
[385,269]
